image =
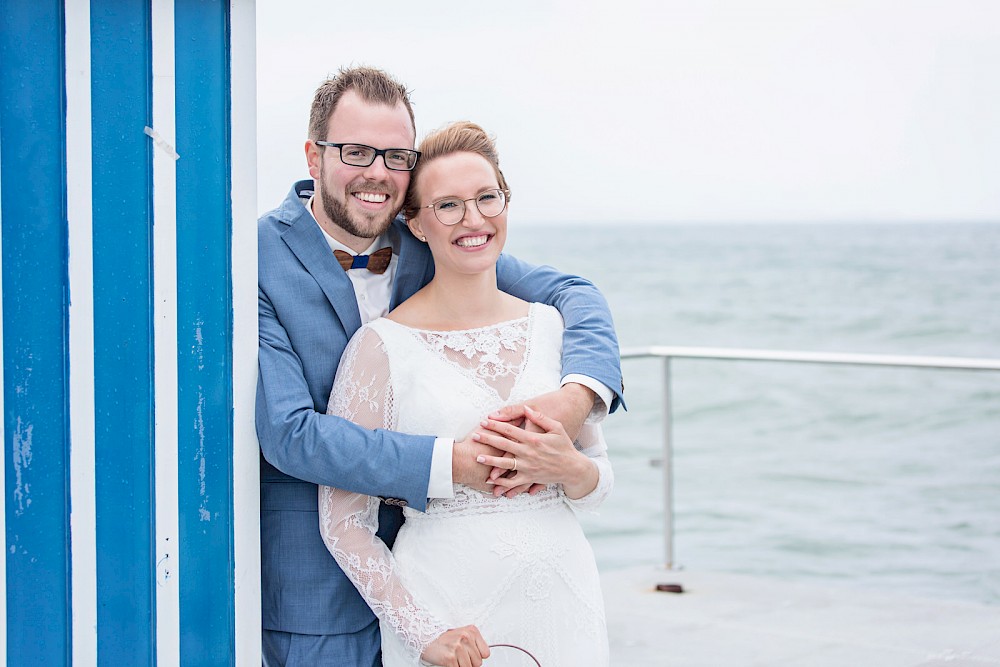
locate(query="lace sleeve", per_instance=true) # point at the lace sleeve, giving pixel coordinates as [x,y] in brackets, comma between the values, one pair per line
[591,442]
[362,392]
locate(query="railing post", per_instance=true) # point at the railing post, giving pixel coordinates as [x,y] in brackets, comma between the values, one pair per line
[794,356]
[668,468]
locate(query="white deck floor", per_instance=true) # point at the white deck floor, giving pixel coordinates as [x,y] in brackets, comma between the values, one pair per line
[725,620]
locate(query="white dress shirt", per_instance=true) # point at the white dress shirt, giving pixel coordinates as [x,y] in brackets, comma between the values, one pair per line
[374,294]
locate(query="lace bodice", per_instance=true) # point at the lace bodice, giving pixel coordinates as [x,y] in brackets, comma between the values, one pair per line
[441,383]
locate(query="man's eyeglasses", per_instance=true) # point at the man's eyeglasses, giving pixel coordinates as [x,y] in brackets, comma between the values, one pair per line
[451,210]
[359,155]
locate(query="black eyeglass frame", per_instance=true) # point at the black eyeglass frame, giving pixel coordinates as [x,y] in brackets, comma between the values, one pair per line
[503,191]
[375,154]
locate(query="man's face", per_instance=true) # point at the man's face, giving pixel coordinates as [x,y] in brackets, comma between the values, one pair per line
[360,201]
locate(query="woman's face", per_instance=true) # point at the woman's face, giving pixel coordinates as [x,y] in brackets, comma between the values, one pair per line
[473,244]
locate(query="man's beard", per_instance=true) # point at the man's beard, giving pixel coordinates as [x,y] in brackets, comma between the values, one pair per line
[338,213]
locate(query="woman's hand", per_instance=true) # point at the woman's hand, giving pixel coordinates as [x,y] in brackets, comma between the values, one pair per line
[545,457]
[458,647]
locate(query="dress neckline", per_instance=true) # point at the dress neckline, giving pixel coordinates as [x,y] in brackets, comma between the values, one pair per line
[496,325]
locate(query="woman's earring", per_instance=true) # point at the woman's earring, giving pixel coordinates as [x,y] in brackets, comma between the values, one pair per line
[424,239]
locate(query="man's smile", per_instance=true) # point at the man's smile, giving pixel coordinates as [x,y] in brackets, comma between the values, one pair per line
[371,197]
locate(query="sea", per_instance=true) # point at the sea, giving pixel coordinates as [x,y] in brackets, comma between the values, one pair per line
[881,478]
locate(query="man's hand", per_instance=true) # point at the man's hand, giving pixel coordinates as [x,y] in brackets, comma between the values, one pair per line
[464,467]
[570,405]
[458,647]
[545,455]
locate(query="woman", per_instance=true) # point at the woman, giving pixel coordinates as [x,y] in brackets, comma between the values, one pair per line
[518,569]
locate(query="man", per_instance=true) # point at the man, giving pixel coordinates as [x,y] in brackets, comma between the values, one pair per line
[311,301]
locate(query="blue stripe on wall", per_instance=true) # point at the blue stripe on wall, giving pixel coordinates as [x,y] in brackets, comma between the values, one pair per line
[122,238]
[35,349]
[204,335]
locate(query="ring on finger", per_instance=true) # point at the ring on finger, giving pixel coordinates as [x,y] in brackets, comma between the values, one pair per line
[515,463]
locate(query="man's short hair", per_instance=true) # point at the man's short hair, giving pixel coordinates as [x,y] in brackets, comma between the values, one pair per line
[373,85]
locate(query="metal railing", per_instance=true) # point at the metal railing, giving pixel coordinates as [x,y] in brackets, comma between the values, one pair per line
[668,353]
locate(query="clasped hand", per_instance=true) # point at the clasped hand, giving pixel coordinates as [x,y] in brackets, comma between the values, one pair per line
[559,415]
[539,452]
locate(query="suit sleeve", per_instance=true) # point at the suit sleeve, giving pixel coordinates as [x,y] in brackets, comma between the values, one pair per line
[327,449]
[590,345]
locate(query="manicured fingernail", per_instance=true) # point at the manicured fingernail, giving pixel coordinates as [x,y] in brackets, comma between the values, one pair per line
[480,459]
[476,436]
[484,423]
[529,410]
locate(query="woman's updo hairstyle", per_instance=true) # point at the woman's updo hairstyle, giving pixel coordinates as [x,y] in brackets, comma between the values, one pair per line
[459,137]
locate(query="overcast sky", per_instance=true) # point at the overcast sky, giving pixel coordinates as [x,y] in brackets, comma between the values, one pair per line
[665,110]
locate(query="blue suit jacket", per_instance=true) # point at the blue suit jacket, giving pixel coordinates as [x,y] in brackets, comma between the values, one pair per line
[307,312]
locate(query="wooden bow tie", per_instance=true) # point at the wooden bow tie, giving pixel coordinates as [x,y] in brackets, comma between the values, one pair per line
[377,262]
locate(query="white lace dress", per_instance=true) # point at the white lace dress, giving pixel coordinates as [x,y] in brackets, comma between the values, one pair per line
[518,568]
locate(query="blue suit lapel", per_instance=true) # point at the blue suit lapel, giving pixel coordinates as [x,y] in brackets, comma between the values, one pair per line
[414,267]
[306,241]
